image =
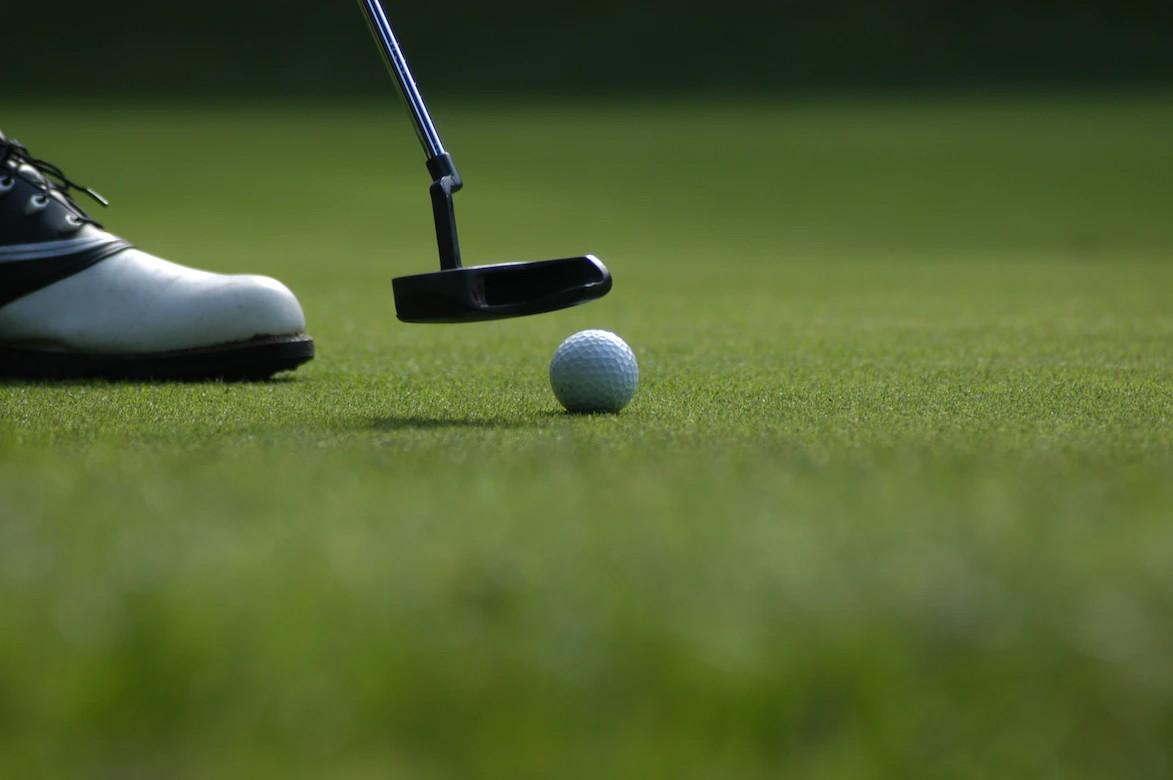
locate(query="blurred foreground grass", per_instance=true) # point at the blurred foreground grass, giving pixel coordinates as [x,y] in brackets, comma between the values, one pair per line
[894,499]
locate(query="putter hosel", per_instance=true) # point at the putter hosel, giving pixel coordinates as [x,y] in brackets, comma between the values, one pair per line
[445,183]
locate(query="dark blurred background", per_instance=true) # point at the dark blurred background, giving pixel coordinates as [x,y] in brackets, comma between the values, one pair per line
[314,47]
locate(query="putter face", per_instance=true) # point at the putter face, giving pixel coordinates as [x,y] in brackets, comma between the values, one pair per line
[493,292]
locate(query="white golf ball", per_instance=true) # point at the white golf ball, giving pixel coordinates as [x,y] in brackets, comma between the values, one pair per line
[594,371]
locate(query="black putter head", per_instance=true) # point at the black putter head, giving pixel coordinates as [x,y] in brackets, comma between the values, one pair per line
[489,292]
[492,292]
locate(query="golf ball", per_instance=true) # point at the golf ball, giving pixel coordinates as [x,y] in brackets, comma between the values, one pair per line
[594,371]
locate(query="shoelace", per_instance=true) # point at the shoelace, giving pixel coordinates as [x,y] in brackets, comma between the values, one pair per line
[53,178]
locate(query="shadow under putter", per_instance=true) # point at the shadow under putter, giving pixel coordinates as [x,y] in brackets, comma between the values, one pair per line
[486,292]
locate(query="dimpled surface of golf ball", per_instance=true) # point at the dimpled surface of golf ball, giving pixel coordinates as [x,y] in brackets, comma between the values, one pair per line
[594,371]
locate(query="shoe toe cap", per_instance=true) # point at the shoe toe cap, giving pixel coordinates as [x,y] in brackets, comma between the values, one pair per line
[244,307]
[135,303]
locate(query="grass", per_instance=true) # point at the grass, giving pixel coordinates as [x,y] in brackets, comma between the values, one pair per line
[894,497]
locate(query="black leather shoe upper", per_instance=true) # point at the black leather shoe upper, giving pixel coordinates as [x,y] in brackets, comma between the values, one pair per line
[44,235]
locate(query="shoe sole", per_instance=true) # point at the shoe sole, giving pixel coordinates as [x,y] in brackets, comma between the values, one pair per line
[253,360]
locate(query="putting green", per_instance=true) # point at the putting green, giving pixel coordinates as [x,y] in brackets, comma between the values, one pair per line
[893,498]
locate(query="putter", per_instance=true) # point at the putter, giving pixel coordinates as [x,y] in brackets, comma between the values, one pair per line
[485,292]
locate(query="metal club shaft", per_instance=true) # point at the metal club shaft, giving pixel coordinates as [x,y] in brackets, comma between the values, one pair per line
[425,128]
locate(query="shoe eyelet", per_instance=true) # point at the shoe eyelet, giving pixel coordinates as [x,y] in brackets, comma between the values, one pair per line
[36,204]
[6,184]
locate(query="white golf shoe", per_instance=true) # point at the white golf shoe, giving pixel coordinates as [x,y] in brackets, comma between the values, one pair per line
[77,301]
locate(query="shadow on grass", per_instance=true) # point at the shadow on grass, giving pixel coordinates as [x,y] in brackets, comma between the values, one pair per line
[422,423]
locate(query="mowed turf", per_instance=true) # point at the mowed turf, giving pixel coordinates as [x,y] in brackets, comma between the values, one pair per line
[894,498]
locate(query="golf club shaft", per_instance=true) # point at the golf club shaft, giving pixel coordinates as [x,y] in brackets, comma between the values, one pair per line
[397,64]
